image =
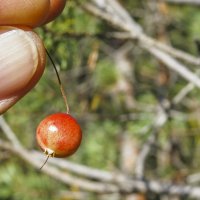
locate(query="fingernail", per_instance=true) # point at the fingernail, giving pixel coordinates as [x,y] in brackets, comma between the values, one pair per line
[18,61]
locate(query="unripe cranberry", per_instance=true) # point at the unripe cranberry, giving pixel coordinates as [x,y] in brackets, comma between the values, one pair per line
[59,135]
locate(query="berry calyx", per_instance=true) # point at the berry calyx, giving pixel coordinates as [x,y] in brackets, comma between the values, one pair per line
[59,135]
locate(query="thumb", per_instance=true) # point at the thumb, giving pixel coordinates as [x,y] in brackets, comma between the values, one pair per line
[22,58]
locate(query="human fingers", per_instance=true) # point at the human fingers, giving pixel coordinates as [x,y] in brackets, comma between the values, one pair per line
[31,13]
[22,56]
[56,7]
[24,13]
[22,53]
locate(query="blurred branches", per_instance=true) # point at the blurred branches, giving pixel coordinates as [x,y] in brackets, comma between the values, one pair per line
[105,182]
[112,12]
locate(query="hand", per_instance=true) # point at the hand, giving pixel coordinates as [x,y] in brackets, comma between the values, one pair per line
[22,54]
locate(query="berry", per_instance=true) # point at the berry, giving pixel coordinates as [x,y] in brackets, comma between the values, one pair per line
[59,135]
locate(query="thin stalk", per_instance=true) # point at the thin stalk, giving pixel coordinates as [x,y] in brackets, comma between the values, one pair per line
[45,162]
[59,82]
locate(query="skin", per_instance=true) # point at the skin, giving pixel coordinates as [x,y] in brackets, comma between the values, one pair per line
[30,13]
[22,54]
[56,7]
[13,64]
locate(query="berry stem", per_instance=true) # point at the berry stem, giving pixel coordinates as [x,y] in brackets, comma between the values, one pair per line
[45,162]
[59,82]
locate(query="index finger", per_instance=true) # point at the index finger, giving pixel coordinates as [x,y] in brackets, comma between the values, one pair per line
[30,13]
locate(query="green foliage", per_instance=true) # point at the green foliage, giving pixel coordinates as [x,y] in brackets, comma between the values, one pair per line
[98,143]
[105,74]
[184,28]
[15,184]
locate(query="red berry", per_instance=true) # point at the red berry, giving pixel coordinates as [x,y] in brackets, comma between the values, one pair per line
[59,135]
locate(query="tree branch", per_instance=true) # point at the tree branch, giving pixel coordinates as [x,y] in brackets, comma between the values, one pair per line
[135,32]
[176,66]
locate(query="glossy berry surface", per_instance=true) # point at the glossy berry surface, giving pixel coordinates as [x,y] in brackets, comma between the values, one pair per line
[59,135]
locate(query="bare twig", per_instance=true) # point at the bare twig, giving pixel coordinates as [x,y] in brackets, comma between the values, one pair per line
[188,88]
[9,133]
[193,178]
[124,185]
[131,29]
[78,169]
[58,174]
[159,121]
[134,31]
[175,65]
[176,53]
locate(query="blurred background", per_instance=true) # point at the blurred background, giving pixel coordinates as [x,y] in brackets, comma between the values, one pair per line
[126,101]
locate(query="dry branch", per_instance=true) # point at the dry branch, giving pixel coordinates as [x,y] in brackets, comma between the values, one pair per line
[117,16]
[126,184]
